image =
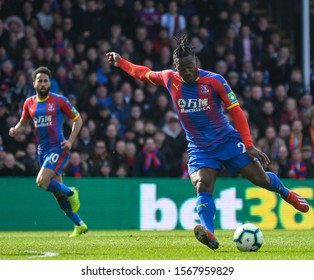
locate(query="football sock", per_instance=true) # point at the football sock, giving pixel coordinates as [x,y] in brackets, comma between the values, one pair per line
[276,185]
[206,210]
[55,186]
[66,207]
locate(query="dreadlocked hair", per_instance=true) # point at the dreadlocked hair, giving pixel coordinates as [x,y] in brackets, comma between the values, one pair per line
[183,48]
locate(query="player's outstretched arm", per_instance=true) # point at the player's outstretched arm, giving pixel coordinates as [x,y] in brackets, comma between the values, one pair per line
[18,128]
[139,72]
[113,58]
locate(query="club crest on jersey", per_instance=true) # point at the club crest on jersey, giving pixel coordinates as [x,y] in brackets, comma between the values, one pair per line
[51,107]
[204,89]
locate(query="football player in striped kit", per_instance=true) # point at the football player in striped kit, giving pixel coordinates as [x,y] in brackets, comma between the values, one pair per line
[48,110]
[200,98]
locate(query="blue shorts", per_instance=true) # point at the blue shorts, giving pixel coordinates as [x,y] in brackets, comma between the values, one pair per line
[54,160]
[230,153]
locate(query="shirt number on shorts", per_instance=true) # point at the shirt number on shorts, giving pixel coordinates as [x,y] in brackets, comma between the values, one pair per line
[53,158]
[239,145]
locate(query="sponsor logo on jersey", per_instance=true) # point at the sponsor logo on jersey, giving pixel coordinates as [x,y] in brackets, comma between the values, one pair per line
[232,97]
[193,105]
[42,121]
[75,112]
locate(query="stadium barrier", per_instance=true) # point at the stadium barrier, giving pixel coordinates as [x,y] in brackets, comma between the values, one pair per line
[150,204]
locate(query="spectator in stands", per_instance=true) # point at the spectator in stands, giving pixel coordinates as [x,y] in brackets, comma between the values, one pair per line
[11,167]
[201,51]
[267,118]
[283,162]
[175,22]
[248,16]
[45,17]
[180,168]
[111,138]
[121,171]
[119,157]
[175,136]
[305,104]
[150,17]
[30,160]
[271,143]
[290,112]
[256,103]
[120,12]
[236,23]
[106,169]
[163,105]
[100,155]
[297,138]
[296,88]
[130,154]
[76,167]
[95,24]
[308,157]
[194,25]
[149,162]
[245,46]
[262,29]
[280,67]
[119,107]
[164,59]
[85,140]
[21,90]
[297,165]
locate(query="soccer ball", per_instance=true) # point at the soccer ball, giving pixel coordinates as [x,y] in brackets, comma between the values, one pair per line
[248,238]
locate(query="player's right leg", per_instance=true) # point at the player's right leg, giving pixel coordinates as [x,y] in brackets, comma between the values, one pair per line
[270,181]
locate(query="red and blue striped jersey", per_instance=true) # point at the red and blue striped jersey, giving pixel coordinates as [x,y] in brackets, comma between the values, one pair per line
[48,117]
[199,105]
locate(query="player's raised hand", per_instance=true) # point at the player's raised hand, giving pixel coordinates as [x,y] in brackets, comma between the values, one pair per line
[113,58]
[256,153]
[12,132]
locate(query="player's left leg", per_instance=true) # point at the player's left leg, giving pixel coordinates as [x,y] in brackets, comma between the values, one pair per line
[270,181]
[49,176]
[204,180]
[79,226]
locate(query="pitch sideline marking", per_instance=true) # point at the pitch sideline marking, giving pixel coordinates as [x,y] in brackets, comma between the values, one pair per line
[42,254]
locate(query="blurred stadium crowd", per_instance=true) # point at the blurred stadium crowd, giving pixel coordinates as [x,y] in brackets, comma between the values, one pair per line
[130,128]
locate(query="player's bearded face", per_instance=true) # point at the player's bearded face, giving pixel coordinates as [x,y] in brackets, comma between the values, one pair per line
[42,85]
[187,68]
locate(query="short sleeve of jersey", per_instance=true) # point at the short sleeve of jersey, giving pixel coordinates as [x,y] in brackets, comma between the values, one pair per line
[225,92]
[68,109]
[25,113]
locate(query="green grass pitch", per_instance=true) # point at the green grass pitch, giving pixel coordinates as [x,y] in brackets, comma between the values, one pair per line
[150,245]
